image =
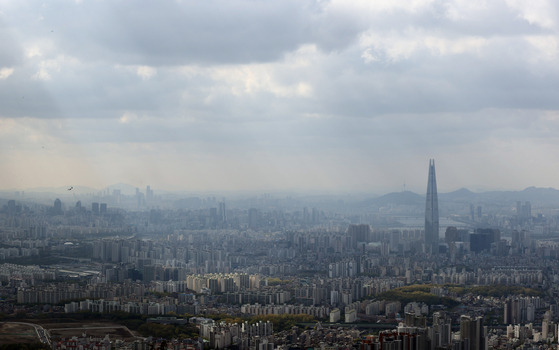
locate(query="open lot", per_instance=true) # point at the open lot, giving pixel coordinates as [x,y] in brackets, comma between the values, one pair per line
[11,333]
[94,329]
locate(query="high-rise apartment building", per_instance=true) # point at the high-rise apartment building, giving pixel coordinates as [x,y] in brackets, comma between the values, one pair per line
[222,215]
[358,233]
[149,195]
[95,208]
[57,209]
[472,333]
[432,212]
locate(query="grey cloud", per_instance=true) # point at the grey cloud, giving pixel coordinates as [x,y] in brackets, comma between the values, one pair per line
[11,53]
[188,32]
[175,33]
[500,77]
[22,97]
[172,33]
[355,106]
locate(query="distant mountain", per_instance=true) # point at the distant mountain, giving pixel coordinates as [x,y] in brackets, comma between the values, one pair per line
[540,193]
[536,195]
[396,198]
[462,194]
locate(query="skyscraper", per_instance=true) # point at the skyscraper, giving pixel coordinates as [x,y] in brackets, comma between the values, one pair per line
[432,212]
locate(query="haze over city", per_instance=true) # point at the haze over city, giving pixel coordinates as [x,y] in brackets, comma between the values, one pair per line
[285,95]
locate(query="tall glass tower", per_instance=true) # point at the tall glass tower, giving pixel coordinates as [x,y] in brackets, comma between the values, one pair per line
[432,212]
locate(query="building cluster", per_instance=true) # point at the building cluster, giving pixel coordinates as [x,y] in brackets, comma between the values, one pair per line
[319,337]
[243,336]
[410,335]
[495,275]
[319,312]
[267,296]
[521,309]
[83,343]
[14,252]
[56,292]
[140,307]
[26,274]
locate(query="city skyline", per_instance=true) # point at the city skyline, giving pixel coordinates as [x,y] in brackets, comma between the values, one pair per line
[130,189]
[309,95]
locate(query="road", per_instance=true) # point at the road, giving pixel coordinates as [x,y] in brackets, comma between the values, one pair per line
[42,333]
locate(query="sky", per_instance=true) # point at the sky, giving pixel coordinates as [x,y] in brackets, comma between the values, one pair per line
[305,95]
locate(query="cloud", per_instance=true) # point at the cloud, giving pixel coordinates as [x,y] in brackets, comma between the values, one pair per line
[146,72]
[542,13]
[5,72]
[128,117]
[147,33]
[332,88]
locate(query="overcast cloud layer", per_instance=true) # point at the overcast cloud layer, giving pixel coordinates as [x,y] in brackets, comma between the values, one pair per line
[270,95]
